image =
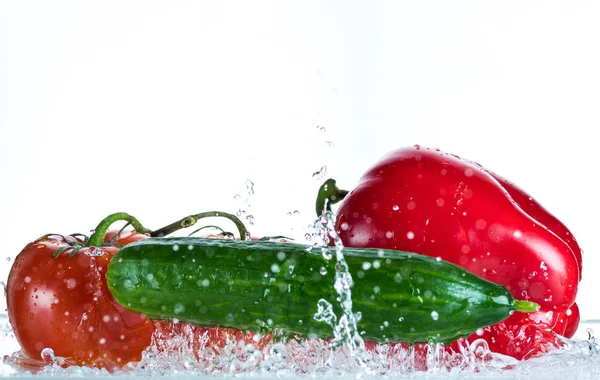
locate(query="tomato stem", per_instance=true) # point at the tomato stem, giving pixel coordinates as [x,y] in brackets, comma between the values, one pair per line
[189,221]
[97,237]
[328,194]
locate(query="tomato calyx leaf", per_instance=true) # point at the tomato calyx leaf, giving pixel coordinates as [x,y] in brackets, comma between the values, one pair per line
[76,242]
[74,247]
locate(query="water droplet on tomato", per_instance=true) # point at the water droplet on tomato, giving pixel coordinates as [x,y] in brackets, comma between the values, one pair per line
[410,235]
[94,252]
[71,283]
[48,356]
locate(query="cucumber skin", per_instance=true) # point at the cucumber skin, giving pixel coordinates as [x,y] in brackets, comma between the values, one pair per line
[263,286]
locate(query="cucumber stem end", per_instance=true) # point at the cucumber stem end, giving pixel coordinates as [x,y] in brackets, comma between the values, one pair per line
[526,306]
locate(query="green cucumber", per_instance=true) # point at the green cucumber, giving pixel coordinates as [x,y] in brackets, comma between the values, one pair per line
[263,286]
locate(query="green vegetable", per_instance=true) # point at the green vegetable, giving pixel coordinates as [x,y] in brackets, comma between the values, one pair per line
[262,286]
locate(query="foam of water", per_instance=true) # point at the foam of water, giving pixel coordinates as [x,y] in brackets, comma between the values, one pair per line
[186,352]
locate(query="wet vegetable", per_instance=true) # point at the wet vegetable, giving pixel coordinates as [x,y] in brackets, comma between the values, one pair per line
[57,298]
[262,286]
[437,204]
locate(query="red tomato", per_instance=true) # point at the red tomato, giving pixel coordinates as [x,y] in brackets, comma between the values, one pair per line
[63,303]
[430,202]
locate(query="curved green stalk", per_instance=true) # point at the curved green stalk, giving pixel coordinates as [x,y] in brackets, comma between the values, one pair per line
[97,237]
[189,221]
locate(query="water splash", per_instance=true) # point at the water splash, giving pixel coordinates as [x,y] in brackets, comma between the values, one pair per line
[250,187]
[181,350]
[345,330]
[48,356]
[320,174]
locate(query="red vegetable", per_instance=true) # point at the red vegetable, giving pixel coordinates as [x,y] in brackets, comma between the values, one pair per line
[63,303]
[58,298]
[427,201]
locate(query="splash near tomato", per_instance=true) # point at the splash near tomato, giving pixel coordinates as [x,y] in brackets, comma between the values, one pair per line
[434,203]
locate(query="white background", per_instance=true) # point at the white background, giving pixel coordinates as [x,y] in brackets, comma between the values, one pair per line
[163,109]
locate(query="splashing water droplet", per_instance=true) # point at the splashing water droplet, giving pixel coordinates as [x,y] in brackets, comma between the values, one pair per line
[48,356]
[329,144]
[321,129]
[250,187]
[94,251]
[8,259]
[237,197]
[319,175]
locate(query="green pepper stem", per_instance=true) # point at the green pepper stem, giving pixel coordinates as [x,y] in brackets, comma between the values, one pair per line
[328,194]
[526,306]
[189,221]
[97,237]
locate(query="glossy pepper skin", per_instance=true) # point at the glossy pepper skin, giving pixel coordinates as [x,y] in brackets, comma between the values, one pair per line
[434,203]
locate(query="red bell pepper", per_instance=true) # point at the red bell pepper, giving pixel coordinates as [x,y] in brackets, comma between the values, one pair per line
[434,203]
